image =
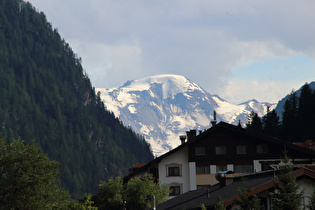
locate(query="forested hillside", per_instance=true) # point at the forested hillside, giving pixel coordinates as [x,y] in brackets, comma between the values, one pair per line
[45,96]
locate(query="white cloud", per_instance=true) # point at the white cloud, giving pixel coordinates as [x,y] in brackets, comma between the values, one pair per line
[106,62]
[238,91]
[202,40]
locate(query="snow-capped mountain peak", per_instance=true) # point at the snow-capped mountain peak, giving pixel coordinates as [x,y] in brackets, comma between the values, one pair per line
[162,107]
[170,84]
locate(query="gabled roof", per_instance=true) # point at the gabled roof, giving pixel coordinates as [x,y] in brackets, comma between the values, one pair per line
[269,139]
[228,127]
[154,161]
[258,182]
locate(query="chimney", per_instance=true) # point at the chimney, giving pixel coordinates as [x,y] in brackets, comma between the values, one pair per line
[191,135]
[182,138]
[214,121]
[223,179]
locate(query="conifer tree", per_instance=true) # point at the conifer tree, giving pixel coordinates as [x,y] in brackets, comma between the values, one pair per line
[304,113]
[254,122]
[219,205]
[271,123]
[287,195]
[289,118]
[248,203]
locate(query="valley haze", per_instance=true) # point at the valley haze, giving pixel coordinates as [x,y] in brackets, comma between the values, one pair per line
[163,107]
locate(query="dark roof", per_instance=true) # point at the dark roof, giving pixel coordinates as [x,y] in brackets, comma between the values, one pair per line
[257,182]
[269,139]
[223,125]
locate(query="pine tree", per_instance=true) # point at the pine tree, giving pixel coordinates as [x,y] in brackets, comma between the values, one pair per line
[254,122]
[289,118]
[287,195]
[248,203]
[219,205]
[304,113]
[271,123]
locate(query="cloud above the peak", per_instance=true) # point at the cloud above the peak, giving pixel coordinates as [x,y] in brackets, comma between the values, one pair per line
[213,43]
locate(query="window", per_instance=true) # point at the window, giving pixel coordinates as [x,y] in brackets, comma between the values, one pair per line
[220,150]
[243,168]
[174,190]
[221,168]
[262,148]
[173,171]
[200,151]
[203,169]
[241,149]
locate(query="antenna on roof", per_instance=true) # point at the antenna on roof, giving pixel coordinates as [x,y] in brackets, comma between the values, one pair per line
[214,121]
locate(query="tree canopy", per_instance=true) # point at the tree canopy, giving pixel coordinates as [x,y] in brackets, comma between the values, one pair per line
[137,193]
[28,179]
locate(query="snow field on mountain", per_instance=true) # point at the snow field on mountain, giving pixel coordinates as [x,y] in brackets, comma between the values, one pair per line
[163,107]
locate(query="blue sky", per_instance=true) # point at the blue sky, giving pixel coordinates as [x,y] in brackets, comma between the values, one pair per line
[240,49]
[282,69]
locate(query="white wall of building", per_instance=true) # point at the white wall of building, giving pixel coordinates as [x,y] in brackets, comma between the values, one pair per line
[178,158]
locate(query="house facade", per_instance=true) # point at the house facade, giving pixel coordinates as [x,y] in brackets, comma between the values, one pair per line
[224,147]
[176,171]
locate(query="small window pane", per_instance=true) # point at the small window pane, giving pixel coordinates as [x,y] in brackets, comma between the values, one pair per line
[221,168]
[174,190]
[241,149]
[207,169]
[220,150]
[262,148]
[203,170]
[200,151]
[243,168]
[173,171]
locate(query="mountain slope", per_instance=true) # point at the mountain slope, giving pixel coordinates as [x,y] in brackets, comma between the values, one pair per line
[163,107]
[46,96]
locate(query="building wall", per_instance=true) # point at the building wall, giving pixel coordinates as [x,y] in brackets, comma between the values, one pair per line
[180,158]
[308,188]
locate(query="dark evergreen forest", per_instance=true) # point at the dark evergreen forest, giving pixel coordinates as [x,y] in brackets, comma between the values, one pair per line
[46,96]
[298,118]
